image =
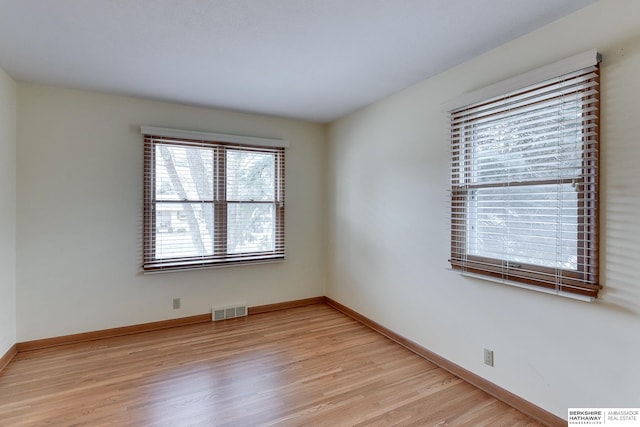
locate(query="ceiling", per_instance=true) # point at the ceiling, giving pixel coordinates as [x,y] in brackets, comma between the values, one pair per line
[315,60]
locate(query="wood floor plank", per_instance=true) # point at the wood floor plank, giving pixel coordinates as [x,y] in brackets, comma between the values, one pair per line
[308,365]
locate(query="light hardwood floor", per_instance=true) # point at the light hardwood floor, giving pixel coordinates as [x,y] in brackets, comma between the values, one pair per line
[310,366]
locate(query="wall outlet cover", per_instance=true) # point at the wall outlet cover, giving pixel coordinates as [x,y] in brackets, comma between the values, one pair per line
[488,357]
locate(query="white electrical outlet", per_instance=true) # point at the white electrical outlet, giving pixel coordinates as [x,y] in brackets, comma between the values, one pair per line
[176,303]
[488,357]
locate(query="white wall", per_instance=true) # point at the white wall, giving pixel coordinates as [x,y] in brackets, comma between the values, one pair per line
[389,238]
[79,184]
[7,212]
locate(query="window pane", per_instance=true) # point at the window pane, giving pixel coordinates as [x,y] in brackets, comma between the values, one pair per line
[528,146]
[184,173]
[534,224]
[250,175]
[184,230]
[251,227]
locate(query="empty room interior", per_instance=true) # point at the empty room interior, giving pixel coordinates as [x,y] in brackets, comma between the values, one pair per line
[412,262]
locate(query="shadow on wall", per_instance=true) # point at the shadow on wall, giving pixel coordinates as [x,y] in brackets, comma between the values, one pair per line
[620,180]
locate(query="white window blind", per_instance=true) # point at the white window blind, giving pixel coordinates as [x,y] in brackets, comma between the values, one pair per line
[524,185]
[210,203]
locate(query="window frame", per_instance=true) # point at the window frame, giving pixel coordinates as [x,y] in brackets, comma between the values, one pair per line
[155,137]
[584,280]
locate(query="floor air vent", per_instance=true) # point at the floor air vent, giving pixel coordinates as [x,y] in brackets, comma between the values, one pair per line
[221,313]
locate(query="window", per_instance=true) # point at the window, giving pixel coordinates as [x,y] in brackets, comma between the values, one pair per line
[524,184]
[210,203]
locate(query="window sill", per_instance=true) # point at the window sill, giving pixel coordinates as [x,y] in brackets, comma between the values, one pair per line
[207,266]
[525,286]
